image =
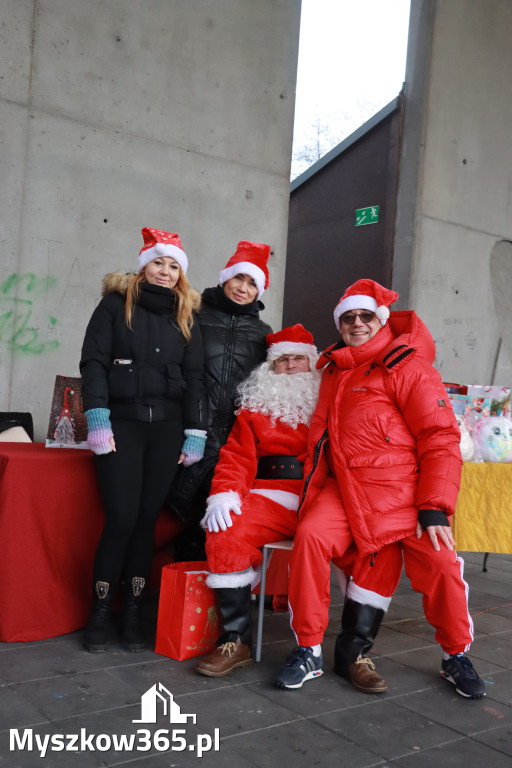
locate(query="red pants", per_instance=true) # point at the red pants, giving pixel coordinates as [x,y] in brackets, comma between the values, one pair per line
[238,548]
[438,576]
[324,535]
[321,536]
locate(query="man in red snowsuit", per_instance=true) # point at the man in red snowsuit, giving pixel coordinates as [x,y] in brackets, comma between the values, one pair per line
[384,466]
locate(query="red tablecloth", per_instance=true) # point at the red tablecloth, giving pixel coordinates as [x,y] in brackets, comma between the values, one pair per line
[51,519]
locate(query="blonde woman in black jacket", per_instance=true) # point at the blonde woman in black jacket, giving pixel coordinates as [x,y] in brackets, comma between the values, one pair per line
[142,368]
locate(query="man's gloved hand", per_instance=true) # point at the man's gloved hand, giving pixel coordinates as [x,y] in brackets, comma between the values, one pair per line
[100,437]
[218,513]
[193,447]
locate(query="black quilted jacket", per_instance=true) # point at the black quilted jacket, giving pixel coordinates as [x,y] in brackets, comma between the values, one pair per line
[234,343]
[149,373]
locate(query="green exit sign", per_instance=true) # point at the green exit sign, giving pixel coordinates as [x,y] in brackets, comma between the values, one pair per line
[368,215]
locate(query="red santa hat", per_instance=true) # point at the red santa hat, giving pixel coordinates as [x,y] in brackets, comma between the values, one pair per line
[249,259]
[366,294]
[294,340]
[158,243]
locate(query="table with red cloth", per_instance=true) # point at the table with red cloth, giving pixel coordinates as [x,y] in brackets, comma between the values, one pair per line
[51,518]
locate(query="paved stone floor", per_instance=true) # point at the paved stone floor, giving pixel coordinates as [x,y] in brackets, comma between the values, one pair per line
[52,688]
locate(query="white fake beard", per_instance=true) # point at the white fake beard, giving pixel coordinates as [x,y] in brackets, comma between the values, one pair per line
[292,398]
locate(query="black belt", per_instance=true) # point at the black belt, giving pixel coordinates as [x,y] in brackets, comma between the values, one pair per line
[279,468]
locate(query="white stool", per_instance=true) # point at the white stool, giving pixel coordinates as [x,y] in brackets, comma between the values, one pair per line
[287,544]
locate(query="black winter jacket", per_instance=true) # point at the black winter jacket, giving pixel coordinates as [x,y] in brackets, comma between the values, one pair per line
[161,376]
[234,340]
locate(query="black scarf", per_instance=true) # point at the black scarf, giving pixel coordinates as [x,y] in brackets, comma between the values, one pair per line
[218,298]
[157,299]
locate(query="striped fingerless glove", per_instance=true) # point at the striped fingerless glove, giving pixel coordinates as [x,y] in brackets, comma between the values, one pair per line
[99,430]
[193,447]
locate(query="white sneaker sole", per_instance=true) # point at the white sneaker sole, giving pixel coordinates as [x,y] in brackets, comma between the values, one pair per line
[461,693]
[309,676]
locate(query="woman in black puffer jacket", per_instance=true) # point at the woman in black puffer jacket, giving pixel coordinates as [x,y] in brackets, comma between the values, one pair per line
[234,343]
[142,369]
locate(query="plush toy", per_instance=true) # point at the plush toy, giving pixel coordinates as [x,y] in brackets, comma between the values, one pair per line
[467,448]
[493,437]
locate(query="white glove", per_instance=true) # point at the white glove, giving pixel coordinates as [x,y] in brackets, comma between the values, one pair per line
[218,515]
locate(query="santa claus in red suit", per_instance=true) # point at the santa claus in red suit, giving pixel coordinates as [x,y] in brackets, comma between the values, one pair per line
[255,490]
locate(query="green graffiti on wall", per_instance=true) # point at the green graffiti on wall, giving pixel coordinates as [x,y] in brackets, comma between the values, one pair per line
[18,293]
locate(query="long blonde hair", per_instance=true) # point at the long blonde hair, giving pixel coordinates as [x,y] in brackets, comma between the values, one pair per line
[185,302]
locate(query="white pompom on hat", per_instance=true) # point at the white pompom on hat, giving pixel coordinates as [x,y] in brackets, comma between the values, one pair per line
[293,340]
[158,243]
[366,294]
[248,259]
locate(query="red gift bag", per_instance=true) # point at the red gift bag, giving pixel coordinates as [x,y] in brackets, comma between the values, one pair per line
[188,620]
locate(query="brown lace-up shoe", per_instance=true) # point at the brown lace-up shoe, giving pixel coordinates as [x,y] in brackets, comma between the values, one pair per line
[226,657]
[363,676]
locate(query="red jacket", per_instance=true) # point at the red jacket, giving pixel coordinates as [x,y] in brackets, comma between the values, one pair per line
[392,438]
[253,435]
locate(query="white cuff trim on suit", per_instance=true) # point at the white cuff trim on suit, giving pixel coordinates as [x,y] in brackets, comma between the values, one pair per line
[284,498]
[367,597]
[223,580]
[229,497]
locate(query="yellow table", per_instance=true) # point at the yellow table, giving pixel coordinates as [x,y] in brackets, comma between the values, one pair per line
[483,516]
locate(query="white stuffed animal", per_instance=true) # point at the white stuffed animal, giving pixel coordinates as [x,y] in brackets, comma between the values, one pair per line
[467,447]
[493,438]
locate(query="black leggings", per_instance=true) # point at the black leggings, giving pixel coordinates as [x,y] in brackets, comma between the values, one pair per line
[134,481]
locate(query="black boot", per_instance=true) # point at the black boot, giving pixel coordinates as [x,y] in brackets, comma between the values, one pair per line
[234,649]
[133,635]
[235,608]
[97,630]
[359,626]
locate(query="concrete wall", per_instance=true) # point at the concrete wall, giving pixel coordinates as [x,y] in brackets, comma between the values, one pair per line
[454,224]
[115,115]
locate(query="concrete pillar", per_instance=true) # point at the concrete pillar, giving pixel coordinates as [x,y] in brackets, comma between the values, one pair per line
[455,186]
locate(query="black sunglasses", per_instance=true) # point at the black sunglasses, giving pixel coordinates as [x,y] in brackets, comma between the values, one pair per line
[350,317]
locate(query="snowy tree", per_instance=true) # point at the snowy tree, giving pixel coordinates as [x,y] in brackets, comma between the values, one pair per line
[326,131]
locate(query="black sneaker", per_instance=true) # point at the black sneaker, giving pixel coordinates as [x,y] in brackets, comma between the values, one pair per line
[459,671]
[301,665]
